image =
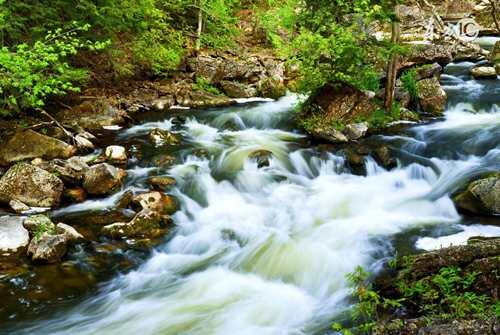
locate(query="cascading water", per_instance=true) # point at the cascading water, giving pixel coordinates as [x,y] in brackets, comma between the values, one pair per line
[266,250]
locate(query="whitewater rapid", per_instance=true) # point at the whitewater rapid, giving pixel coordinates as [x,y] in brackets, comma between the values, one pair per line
[266,250]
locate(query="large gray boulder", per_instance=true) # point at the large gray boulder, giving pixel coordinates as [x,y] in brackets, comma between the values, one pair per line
[31,186]
[29,144]
[103,179]
[13,236]
[482,196]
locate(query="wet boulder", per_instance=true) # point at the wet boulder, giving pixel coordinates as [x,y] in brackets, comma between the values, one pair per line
[103,179]
[235,89]
[93,115]
[431,96]
[29,144]
[482,197]
[71,234]
[116,154]
[356,131]
[47,248]
[18,207]
[161,182]
[484,72]
[98,217]
[163,137]
[156,201]
[13,235]
[76,194]
[70,171]
[31,186]
[202,99]
[146,223]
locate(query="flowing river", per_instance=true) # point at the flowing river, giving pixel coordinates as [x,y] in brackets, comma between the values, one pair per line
[266,250]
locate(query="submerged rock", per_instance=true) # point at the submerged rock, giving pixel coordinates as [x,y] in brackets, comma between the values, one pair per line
[482,197]
[161,182]
[13,236]
[47,248]
[484,72]
[31,186]
[146,223]
[431,96]
[103,179]
[29,144]
[262,157]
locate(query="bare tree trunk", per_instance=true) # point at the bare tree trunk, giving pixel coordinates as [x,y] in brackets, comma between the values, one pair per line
[392,67]
[200,26]
[494,14]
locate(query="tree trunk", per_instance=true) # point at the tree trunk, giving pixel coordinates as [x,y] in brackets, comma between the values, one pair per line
[200,26]
[494,14]
[392,67]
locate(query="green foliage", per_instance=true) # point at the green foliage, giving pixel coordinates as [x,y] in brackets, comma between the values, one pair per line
[29,74]
[447,295]
[366,311]
[44,226]
[409,80]
[40,42]
[202,84]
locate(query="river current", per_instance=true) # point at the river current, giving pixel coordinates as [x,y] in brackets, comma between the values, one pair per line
[266,250]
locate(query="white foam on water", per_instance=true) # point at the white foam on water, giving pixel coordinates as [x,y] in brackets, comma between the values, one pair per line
[266,251]
[434,243]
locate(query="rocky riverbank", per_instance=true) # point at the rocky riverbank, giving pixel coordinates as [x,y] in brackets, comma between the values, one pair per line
[448,291]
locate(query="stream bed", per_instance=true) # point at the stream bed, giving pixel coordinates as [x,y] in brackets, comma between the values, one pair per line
[265,250]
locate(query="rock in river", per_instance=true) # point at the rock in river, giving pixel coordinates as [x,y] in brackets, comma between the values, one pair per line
[29,144]
[30,185]
[484,72]
[103,179]
[156,201]
[146,223]
[13,236]
[47,248]
[482,196]
[431,96]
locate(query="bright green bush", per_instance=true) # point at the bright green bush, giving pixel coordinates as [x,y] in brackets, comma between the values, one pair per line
[29,74]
